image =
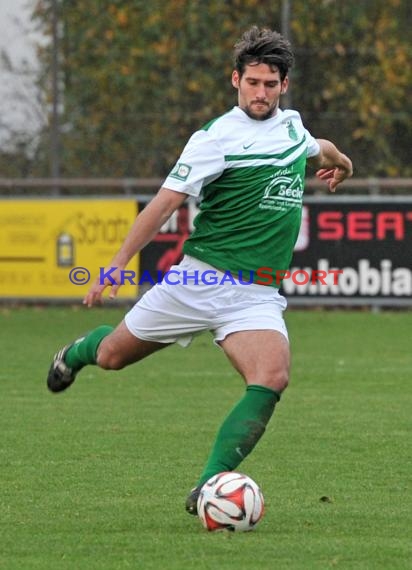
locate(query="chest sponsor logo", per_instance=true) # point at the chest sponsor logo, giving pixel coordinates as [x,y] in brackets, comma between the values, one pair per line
[282,193]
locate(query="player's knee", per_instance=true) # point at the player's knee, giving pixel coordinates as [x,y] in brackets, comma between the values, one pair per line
[280,381]
[276,380]
[109,359]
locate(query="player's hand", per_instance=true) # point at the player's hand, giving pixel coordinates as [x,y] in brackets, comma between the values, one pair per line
[114,281]
[334,176]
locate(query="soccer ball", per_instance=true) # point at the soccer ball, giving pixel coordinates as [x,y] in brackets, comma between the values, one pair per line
[230,501]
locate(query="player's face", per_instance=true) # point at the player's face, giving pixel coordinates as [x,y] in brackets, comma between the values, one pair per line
[259,90]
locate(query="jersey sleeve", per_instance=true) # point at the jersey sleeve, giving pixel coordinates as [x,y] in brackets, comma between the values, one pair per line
[201,162]
[312,145]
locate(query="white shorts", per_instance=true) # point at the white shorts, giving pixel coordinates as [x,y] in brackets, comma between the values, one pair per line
[178,310]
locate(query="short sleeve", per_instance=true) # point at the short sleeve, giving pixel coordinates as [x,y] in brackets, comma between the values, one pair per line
[313,148]
[201,162]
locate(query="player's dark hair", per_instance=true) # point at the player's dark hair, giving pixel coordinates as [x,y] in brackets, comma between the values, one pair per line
[262,45]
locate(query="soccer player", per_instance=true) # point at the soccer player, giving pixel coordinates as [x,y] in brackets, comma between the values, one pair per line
[248,168]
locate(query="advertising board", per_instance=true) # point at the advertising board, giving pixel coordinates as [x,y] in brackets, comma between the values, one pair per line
[367,240]
[53,248]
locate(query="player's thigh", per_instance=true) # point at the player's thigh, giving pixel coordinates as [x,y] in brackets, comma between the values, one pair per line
[121,348]
[261,356]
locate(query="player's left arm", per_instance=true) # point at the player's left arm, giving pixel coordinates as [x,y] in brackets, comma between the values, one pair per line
[333,166]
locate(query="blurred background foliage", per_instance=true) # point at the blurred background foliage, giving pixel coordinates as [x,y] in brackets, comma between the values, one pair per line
[138,77]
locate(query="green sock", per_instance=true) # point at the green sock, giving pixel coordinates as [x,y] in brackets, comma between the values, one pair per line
[241,430]
[84,350]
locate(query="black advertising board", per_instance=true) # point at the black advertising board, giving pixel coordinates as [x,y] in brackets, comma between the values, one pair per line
[367,239]
[165,249]
[351,250]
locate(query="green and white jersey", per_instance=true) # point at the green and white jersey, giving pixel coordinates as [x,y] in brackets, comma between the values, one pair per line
[249,175]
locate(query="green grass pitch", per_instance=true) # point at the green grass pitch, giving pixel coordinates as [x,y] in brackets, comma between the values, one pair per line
[96,477]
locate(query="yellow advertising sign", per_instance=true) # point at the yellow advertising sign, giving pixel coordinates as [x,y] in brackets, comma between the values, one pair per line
[55,248]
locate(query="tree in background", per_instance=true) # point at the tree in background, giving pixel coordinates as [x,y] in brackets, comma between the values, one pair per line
[139,77]
[353,79]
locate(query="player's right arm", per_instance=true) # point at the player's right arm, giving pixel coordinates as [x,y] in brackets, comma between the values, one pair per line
[201,161]
[144,229]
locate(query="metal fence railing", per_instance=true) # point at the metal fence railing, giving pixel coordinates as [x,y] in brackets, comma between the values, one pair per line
[132,186]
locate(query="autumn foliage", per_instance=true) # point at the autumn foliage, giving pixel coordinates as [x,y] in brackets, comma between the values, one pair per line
[139,76]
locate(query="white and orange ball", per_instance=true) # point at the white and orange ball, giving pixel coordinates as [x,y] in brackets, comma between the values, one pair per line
[230,501]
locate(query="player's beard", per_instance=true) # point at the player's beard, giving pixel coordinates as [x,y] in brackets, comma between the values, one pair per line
[271,111]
